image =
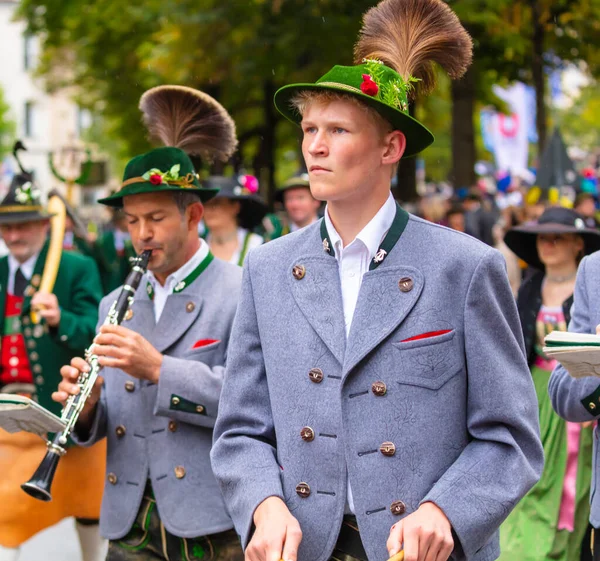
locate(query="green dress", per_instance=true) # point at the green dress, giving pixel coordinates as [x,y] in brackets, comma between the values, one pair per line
[536,529]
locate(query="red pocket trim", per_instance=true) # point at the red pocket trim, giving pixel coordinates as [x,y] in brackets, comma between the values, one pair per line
[427,335]
[204,342]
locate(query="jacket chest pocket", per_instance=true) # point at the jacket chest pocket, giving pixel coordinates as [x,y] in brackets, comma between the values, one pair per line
[203,349]
[428,362]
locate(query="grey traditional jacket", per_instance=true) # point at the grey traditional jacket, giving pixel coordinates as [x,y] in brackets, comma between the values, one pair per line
[163,432]
[578,400]
[429,398]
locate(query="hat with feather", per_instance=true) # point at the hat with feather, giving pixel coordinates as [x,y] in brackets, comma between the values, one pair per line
[187,122]
[398,46]
[23,201]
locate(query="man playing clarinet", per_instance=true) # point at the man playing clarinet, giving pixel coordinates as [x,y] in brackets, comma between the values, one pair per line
[163,367]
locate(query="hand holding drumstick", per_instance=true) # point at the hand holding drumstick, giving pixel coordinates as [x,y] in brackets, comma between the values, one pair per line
[424,535]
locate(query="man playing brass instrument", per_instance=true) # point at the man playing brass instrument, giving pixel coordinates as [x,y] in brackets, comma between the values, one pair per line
[30,360]
[163,366]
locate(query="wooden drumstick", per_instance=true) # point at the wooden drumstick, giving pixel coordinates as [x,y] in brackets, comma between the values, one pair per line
[398,557]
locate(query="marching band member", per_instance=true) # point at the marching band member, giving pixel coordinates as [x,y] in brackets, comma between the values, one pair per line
[31,357]
[163,367]
[300,206]
[393,408]
[577,400]
[112,251]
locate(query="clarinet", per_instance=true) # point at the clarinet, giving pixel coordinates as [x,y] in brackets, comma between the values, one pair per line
[39,485]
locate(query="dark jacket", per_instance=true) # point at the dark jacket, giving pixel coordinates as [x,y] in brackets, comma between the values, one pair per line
[529,302]
[78,290]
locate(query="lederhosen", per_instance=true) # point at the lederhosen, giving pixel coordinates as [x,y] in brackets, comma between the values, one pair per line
[148,540]
[349,546]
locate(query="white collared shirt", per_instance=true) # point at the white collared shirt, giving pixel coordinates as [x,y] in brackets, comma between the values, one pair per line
[161,293]
[355,258]
[353,262]
[26,269]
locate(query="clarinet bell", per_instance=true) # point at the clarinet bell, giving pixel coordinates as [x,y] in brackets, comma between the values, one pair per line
[40,483]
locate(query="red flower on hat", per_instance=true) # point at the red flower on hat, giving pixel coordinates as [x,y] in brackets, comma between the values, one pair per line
[369,87]
[156,179]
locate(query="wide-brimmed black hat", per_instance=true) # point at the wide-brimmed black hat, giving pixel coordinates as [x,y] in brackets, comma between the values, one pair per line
[22,202]
[555,220]
[242,189]
[297,181]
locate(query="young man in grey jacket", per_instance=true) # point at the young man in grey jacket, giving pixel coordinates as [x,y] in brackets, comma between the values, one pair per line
[391,407]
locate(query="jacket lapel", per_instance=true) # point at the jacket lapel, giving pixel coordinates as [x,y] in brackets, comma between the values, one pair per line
[318,294]
[3,290]
[179,314]
[142,320]
[387,295]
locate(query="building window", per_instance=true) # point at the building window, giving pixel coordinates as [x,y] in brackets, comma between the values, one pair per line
[84,120]
[29,51]
[28,122]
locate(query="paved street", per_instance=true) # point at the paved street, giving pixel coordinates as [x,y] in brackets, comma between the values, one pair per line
[58,543]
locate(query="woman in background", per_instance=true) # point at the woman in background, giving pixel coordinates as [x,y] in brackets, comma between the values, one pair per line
[231,216]
[551,520]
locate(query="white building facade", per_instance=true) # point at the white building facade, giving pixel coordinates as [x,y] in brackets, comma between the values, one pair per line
[45,122]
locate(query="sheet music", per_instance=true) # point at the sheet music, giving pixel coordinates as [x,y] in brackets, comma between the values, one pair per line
[18,413]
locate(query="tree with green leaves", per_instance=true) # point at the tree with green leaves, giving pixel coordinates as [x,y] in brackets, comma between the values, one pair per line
[580,122]
[7,128]
[241,52]
[517,40]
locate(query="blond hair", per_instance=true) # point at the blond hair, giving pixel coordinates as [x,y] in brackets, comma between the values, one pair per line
[302,99]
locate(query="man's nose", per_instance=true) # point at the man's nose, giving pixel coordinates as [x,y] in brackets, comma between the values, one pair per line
[145,231]
[10,234]
[318,144]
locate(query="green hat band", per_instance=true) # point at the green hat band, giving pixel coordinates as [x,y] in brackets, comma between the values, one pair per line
[157,177]
[376,80]
[162,169]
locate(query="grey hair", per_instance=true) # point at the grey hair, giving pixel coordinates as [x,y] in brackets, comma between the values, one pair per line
[183,200]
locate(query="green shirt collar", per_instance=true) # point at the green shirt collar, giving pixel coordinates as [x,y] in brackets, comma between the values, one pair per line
[380,223]
[185,275]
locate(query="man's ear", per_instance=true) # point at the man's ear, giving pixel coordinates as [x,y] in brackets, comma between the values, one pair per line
[195,214]
[395,145]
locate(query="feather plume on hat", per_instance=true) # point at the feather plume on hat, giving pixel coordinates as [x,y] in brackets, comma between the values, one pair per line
[410,36]
[190,120]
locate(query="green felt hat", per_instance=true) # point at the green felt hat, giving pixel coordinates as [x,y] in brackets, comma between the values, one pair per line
[162,169]
[376,85]
[297,181]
